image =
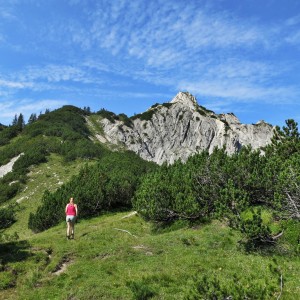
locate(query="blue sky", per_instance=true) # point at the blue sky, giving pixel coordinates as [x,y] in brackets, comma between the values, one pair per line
[240,56]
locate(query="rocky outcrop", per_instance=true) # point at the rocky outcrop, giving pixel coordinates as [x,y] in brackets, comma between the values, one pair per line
[177,129]
[9,166]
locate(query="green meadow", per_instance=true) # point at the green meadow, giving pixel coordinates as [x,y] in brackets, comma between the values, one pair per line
[120,256]
[216,227]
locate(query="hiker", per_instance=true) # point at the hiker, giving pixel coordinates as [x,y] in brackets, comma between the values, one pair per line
[71,214]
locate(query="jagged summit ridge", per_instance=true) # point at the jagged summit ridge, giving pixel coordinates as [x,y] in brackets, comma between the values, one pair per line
[186,99]
[180,128]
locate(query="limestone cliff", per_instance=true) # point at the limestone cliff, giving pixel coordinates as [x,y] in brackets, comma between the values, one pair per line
[180,128]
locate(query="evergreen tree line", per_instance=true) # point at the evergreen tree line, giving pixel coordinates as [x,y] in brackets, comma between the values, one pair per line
[9,132]
[68,126]
[7,216]
[237,188]
[108,185]
[63,131]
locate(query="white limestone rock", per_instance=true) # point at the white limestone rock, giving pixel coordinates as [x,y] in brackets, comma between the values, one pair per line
[182,128]
[9,166]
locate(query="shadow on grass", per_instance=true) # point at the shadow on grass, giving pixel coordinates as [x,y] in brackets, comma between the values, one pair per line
[11,252]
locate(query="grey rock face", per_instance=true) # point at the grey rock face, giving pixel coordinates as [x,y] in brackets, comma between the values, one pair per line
[180,128]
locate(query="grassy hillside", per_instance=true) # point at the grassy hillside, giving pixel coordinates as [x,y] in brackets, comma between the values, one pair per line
[46,176]
[119,256]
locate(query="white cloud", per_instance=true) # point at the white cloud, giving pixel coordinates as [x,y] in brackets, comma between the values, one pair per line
[2,39]
[28,106]
[294,38]
[173,44]
[219,31]
[49,77]
[162,34]
[177,43]
[9,109]
[98,65]
[234,91]
[5,106]
[295,20]
[14,84]
[241,69]
[6,11]
[54,73]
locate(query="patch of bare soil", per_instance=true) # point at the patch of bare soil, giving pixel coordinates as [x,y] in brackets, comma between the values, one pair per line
[62,266]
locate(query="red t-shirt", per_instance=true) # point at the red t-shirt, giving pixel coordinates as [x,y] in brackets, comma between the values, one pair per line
[71,211]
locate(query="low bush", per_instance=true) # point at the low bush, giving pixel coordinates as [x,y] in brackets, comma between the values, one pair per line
[110,184]
[7,216]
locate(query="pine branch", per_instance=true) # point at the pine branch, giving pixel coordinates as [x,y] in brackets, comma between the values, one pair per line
[294,205]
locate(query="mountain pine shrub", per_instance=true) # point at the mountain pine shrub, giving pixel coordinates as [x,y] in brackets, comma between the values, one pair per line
[108,185]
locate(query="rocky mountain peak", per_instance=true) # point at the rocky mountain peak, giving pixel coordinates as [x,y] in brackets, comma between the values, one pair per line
[181,128]
[185,99]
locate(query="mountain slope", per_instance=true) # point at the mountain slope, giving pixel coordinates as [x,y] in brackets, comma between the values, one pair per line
[62,132]
[180,128]
[121,256]
[46,176]
[118,256]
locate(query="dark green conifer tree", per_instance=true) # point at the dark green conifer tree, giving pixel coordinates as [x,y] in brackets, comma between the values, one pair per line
[32,118]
